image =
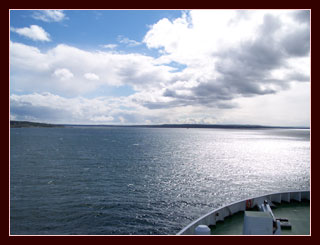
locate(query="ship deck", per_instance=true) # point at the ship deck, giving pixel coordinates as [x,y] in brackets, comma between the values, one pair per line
[298,214]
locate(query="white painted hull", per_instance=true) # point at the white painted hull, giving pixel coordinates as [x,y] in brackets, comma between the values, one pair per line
[219,214]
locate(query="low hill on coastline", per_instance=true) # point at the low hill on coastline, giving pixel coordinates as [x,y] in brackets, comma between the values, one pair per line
[26,124]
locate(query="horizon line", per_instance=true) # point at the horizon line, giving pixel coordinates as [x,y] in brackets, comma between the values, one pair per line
[183,125]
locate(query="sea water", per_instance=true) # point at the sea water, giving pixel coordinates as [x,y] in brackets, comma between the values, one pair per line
[144,181]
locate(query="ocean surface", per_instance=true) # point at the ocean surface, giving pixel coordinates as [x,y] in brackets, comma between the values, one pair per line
[144,181]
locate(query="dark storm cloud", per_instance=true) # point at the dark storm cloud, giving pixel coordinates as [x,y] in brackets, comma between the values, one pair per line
[205,94]
[297,43]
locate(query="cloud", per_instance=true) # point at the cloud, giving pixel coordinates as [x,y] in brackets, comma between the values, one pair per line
[287,108]
[34,32]
[47,107]
[63,74]
[297,76]
[42,71]
[109,46]
[127,41]
[91,76]
[230,55]
[229,60]
[49,15]
[297,43]
[168,35]
[102,119]
[302,16]
[26,59]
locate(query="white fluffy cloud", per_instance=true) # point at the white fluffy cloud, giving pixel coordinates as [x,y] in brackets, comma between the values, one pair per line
[49,15]
[127,41]
[43,70]
[34,32]
[63,74]
[91,76]
[47,107]
[109,46]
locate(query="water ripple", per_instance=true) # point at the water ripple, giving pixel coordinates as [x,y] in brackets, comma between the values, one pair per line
[144,181]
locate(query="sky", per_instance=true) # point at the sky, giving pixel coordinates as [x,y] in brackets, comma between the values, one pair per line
[129,67]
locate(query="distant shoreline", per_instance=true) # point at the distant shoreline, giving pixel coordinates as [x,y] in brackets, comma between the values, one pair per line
[27,124]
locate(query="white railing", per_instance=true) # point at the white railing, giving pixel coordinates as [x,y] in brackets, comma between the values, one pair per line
[219,214]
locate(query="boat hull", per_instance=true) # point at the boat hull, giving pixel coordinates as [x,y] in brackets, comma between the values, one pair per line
[211,218]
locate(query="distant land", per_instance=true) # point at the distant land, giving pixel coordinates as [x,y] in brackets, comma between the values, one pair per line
[26,124]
